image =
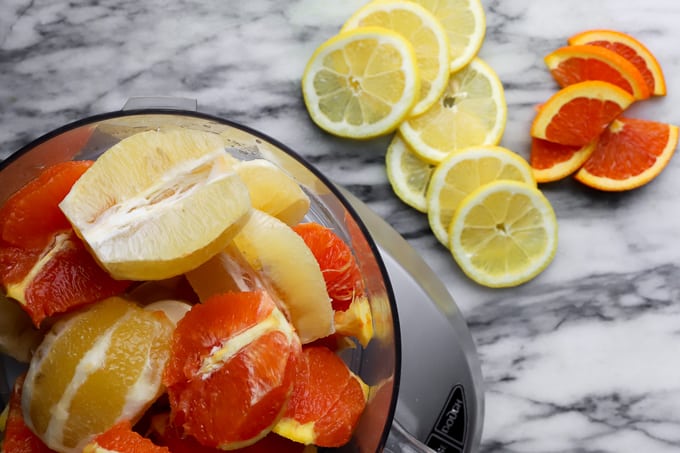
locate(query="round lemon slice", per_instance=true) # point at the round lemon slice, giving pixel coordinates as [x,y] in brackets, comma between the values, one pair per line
[158,204]
[471,112]
[464,171]
[422,29]
[465,25]
[408,175]
[503,234]
[361,83]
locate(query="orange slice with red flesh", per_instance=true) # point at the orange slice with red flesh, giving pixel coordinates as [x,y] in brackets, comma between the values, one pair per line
[629,48]
[577,114]
[231,341]
[573,64]
[18,438]
[43,264]
[122,439]
[552,161]
[629,153]
[326,402]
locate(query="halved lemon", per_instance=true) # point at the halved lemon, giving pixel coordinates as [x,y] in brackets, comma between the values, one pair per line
[361,83]
[471,112]
[158,204]
[463,172]
[503,234]
[423,31]
[408,175]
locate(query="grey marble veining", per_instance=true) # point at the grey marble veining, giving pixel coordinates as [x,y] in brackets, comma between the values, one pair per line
[582,359]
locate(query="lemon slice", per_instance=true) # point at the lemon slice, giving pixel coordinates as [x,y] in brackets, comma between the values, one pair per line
[274,191]
[407,173]
[503,234]
[158,203]
[465,25]
[361,83]
[423,31]
[471,112]
[464,171]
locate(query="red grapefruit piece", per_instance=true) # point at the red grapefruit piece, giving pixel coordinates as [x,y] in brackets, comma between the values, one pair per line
[552,161]
[577,114]
[629,154]
[231,370]
[326,402]
[629,48]
[337,263]
[122,439]
[18,437]
[573,64]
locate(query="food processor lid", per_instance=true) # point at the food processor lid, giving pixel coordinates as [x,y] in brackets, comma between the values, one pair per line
[440,400]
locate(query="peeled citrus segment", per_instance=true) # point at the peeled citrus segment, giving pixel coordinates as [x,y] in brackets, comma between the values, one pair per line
[577,114]
[361,83]
[158,203]
[18,336]
[95,368]
[629,154]
[122,439]
[407,173]
[629,48]
[16,436]
[281,257]
[503,234]
[326,402]
[356,321]
[573,64]
[471,112]
[274,191]
[465,25]
[423,31]
[552,161]
[463,172]
[231,341]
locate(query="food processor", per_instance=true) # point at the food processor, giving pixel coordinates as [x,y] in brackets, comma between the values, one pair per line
[426,389]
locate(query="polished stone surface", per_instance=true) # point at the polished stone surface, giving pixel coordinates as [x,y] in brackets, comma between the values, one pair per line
[582,359]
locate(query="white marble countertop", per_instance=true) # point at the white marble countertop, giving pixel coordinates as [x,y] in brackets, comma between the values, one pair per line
[585,358]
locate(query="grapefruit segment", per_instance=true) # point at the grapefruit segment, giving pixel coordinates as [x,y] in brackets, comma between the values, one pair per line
[231,341]
[326,402]
[629,153]
[578,113]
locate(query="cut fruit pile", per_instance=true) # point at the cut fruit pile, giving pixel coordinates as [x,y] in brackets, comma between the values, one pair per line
[580,130]
[359,84]
[163,282]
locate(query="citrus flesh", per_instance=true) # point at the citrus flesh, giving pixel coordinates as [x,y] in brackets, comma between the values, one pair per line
[629,154]
[121,438]
[17,437]
[465,24]
[96,367]
[361,83]
[155,204]
[471,112]
[231,341]
[578,113]
[407,173]
[552,161]
[423,31]
[463,172]
[503,234]
[573,64]
[629,48]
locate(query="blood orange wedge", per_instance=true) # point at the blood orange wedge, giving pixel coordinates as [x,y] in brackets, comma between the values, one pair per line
[18,438]
[629,48]
[629,154]
[231,370]
[573,64]
[96,367]
[552,161]
[577,114]
[122,439]
[326,402]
